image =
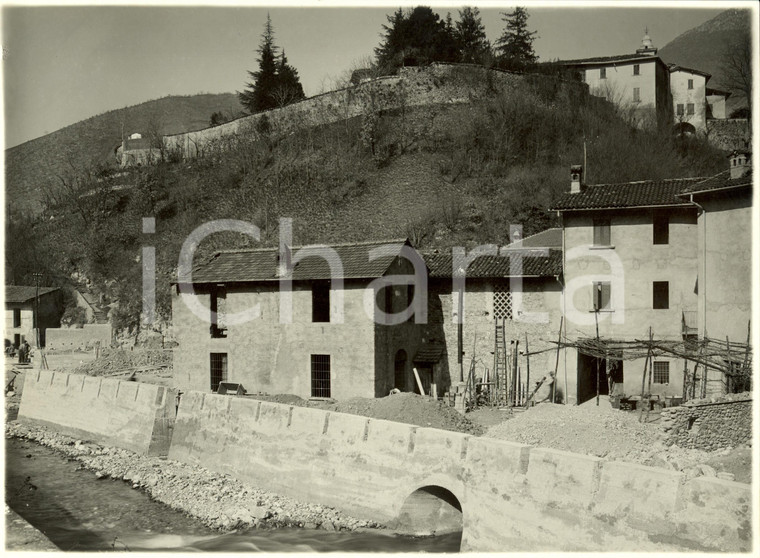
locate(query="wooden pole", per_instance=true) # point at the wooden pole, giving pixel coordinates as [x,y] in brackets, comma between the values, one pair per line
[527,365]
[644,378]
[596,319]
[514,371]
[556,365]
[649,387]
[419,382]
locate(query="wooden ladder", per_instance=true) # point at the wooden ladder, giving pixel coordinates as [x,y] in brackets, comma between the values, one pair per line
[500,373]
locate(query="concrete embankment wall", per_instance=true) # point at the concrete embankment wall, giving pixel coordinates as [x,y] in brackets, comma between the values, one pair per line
[512,497]
[129,415]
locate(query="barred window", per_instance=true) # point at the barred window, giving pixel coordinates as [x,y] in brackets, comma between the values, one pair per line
[218,370]
[661,372]
[320,375]
[502,303]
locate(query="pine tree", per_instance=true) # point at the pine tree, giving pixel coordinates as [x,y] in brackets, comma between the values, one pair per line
[472,44]
[515,46]
[288,89]
[258,94]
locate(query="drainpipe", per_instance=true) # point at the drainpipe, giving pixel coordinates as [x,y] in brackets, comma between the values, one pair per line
[703,287]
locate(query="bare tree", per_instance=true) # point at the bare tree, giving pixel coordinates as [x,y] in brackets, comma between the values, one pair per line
[737,64]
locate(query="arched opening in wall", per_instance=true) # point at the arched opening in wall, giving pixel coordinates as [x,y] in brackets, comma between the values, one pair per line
[430,510]
[399,370]
[684,129]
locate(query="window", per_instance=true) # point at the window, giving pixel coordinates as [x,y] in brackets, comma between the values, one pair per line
[636,95]
[661,372]
[17,317]
[218,308]
[636,69]
[502,302]
[660,228]
[320,375]
[602,73]
[691,84]
[320,301]
[660,295]
[602,295]
[601,232]
[690,108]
[679,109]
[218,370]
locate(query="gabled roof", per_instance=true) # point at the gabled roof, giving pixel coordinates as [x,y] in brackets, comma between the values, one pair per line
[246,266]
[534,264]
[550,238]
[610,60]
[677,68]
[721,181]
[17,294]
[644,193]
[713,91]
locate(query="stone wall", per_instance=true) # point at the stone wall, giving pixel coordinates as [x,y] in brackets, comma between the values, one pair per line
[710,424]
[129,415]
[511,496]
[417,86]
[729,133]
[72,338]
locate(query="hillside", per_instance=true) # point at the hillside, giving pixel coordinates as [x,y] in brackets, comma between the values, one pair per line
[35,164]
[703,46]
[442,175]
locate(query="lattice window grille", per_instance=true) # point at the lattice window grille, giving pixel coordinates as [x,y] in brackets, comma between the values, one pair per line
[502,304]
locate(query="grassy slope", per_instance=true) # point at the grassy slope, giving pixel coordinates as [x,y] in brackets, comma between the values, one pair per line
[35,163]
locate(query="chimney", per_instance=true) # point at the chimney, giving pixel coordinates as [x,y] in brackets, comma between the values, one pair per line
[739,163]
[284,259]
[576,179]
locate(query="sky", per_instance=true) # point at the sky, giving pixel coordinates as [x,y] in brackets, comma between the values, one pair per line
[65,63]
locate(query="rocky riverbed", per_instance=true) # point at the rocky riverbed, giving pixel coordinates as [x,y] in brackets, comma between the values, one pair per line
[218,501]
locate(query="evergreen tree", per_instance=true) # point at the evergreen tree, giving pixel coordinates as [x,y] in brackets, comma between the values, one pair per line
[415,38]
[288,89]
[258,95]
[472,44]
[515,46]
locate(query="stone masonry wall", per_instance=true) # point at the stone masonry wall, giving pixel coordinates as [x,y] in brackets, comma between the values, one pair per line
[729,133]
[710,424]
[435,84]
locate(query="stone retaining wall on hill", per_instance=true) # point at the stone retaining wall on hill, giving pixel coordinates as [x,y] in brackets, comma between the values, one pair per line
[729,133]
[417,86]
[511,496]
[129,415]
[710,425]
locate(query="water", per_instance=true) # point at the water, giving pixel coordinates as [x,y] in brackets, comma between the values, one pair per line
[78,512]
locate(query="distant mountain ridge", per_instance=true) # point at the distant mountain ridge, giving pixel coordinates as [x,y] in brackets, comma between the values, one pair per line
[703,46]
[38,162]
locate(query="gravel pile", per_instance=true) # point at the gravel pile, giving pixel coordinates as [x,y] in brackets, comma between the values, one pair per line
[112,361]
[219,501]
[604,432]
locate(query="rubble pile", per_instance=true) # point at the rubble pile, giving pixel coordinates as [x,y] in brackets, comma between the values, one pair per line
[219,501]
[614,435]
[112,361]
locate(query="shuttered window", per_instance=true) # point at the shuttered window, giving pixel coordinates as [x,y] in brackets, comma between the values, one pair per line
[601,232]
[602,292]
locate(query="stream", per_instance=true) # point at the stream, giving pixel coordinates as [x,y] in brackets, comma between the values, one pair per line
[77,512]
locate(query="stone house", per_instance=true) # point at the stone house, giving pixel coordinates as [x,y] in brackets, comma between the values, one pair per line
[716,103]
[629,264]
[519,289]
[688,87]
[724,255]
[19,313]
[324,329]
[638,83]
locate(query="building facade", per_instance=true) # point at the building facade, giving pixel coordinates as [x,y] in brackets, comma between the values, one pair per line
[19,313]
[688,89]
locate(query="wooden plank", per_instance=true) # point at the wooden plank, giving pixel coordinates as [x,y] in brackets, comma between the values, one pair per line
[419,382]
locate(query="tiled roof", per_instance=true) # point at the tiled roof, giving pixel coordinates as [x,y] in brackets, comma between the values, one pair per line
[627,194]
[533,265]
[677,68]
[719,182]
[550,238]
[713,91]
[18,294]
[243,266]
[607,59]
[429,353]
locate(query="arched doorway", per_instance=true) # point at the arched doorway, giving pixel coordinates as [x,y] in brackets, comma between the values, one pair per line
[430,510]
[684,129]
[399,370]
